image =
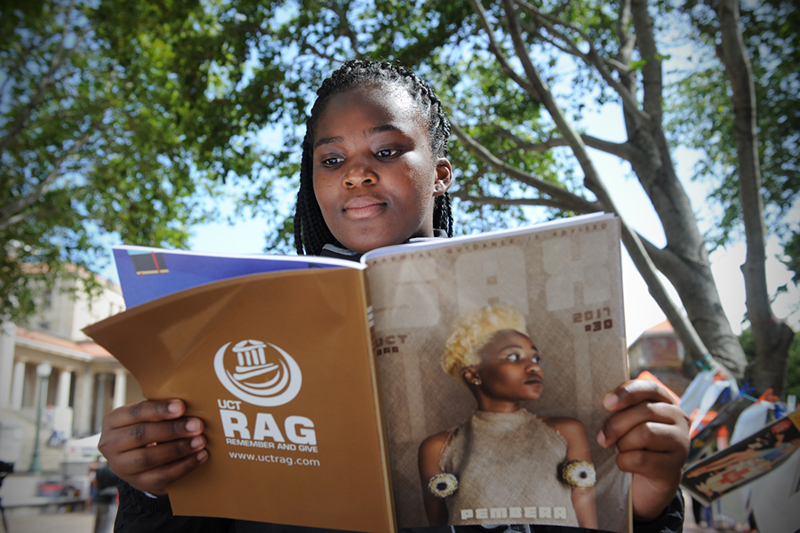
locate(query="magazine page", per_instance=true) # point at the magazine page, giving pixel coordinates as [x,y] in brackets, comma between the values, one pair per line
[148,273]
[745,461]
[280,369]
[447,313]
[705,442]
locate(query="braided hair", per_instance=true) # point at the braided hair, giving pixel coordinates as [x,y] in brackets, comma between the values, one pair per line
[311,232]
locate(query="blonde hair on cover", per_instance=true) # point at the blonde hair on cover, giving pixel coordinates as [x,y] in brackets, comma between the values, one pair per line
[473,331]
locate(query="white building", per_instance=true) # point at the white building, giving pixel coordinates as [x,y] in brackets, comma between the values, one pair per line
[86,382]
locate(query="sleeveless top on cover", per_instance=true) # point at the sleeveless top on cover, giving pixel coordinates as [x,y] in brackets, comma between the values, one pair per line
[507,470]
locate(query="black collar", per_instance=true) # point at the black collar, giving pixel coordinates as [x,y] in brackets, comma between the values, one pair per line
[331,250]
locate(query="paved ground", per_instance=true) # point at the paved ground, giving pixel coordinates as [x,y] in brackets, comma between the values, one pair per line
[52,523]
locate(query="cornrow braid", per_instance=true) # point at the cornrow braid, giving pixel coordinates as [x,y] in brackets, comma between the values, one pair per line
[311,232]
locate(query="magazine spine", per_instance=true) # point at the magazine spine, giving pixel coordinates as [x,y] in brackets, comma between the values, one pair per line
[376,395]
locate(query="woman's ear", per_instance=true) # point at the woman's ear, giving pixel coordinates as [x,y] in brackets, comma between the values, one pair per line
[444,176]
[470,375]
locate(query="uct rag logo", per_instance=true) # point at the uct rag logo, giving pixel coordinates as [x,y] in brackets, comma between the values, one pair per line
[255,379]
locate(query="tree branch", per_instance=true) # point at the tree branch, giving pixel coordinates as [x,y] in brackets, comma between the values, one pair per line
[593,183]
[10,75]
[494,200]
[7,212]
[346,30]
[627,45]
[621,150]
[44,83]
[285,36]
[575,202]
[569,48]
[627,40]
[591,177]
[652,77]
[592,58]
[647,269]
[498,53]
[772,338]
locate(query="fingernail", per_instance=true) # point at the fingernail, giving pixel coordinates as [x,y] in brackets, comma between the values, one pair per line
[202,456]
[601,439]
[174,407]
[197,442]
[610,401]
[192,425]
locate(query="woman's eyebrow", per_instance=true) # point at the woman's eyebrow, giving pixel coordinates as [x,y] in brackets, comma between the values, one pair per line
[368,133]
[381,129]
[511,346]
[327,140]
[519,347]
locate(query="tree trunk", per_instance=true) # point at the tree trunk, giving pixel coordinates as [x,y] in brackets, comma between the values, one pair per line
[684,260]
[772,337]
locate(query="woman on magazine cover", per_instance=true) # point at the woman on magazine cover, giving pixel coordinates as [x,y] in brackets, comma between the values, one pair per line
[503,456]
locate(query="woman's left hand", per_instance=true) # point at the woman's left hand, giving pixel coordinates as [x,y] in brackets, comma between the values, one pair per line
[651,434]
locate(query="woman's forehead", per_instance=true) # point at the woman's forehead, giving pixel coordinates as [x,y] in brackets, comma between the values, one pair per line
[508,338]
[375,103]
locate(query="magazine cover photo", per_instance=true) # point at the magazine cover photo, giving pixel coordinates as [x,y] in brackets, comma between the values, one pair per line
[494,355]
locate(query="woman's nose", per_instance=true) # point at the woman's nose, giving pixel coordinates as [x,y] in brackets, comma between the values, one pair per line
[533,367]
[353,179]
[359,173]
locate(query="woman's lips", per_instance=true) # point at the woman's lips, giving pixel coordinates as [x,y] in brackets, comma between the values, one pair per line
[534,380]
[363,207]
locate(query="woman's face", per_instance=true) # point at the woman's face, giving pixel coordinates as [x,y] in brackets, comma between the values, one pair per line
[509,369]
[374,175]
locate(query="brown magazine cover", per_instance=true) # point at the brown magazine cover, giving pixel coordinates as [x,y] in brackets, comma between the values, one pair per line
[306,446]
[314,451]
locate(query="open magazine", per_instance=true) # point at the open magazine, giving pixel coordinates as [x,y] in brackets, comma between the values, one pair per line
[745,461]
[319,386]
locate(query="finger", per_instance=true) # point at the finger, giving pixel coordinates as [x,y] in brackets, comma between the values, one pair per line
[653,436]
[138,461]
[156,480]
[644,412]
[651,465]
[636,391]
[134,436]
[146,411]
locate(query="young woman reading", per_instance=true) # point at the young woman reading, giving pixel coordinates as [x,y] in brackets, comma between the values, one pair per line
[374,173]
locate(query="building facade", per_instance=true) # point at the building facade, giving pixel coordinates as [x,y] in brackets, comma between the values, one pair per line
[659,351]
[85,381]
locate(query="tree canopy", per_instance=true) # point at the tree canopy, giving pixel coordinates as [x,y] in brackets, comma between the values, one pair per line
[101,140]
[153,102]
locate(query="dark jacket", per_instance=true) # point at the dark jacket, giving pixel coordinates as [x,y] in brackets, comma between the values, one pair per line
[138,513]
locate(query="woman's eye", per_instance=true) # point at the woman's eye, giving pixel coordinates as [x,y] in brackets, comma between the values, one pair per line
[513,357]
[387,153]
[536,359]
[331,161]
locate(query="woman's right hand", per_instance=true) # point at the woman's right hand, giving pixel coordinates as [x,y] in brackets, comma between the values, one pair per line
[150,445]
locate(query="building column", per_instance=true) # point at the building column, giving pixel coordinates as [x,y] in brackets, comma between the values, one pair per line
[62,414]
[99,402]
[8,334]
[120,387]
[83,402]
[64,384]
[18,386]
